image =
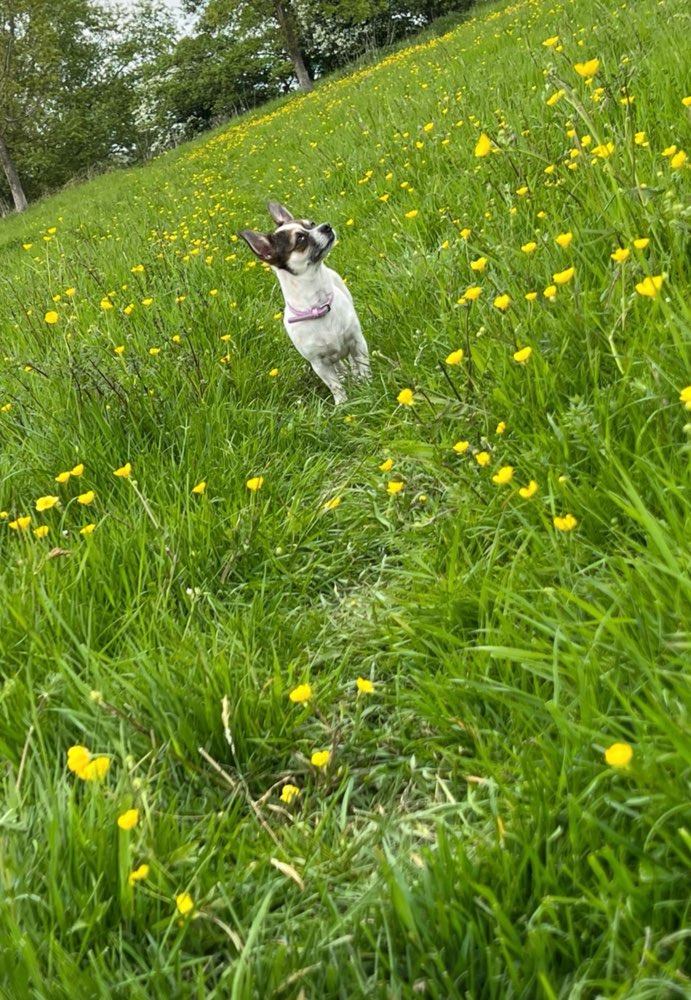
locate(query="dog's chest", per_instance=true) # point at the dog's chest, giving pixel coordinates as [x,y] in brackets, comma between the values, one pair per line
[329,337]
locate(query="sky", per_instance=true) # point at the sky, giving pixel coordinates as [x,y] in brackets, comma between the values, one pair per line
[174,6]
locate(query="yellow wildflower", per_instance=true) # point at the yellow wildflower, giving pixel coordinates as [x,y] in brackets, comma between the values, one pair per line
[387,465]
[528,491]
[563,277]
[502,302]
[301,694]
[483,458]
[650,286]
[394,487]
[455,357]
[619,755]
[503,476]
[620,254]
[45,503]
[124,472]
[41,531]
[320,758]
[364,686]
[566,523]
[184,903]
[587,69]
[129,819]
[479,265]
[200,488]
[288,793]
[51,317]
[255,483]
[484,146]
[21,524]
[138,875]
[405,397]
[522,355]
[461,447]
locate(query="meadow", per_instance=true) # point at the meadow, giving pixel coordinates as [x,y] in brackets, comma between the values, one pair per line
[385,700]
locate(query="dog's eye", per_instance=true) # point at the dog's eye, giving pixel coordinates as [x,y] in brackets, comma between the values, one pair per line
[300,240]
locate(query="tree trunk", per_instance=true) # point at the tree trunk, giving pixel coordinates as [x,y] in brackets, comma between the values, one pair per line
[20,202]
[292,46]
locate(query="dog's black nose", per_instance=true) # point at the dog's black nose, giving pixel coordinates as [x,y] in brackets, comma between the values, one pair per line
[326,229]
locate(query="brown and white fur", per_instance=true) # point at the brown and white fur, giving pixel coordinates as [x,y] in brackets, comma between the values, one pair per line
[332,334]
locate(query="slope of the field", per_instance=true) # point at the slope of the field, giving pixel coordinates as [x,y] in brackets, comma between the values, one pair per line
[492,536]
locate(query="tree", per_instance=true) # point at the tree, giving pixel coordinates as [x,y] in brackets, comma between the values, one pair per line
[67,86]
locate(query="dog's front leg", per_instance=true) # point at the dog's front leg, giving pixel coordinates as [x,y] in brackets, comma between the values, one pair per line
[328,373]
[359,357]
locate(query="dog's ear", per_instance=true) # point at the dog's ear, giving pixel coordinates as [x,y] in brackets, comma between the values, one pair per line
[279,213]
[259,242]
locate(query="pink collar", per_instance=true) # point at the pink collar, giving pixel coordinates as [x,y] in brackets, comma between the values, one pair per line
[315,313]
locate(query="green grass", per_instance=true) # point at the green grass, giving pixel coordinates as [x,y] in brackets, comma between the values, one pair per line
[467,838]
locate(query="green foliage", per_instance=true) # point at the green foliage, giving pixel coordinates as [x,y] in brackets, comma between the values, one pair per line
[468,837]
[68,75]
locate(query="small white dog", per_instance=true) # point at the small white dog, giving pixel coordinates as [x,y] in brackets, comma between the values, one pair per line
[319,316]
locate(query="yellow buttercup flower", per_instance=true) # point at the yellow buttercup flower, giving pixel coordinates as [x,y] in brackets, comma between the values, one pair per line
[483,458]
[320,758]
[41,531]
[522,355]
[394,487]
[405,397]
[88,529]
[106,304]
[301,694]
[21,524]
[587,69]
[472,293]
[124,472]
[85,499]
[483,146]
[502,302]
[528,491]
[255,483]
[95,770]
[412,214]
[529,247]
[619,755]
[555,98]
[184,903]
[563,277]
[550,292]
[621,254]
[129,819]
[200,488]
[332,504]
[503,476]
[650,286]
[479,265]
[288,793]
[364,686]
[138,875]
[566,523]
[551,42]
[461,447]
[78,470]
[685,397]
[641,243]
[386,465]
[678,160]
[500,428]
[455,357]
[564,240]
[46,503]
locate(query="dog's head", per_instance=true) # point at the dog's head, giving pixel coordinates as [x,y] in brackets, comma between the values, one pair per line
[296,245]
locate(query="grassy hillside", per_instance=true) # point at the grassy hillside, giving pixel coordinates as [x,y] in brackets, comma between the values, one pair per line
[502,811]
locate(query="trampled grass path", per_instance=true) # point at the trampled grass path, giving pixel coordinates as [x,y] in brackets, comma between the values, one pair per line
[473,578]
